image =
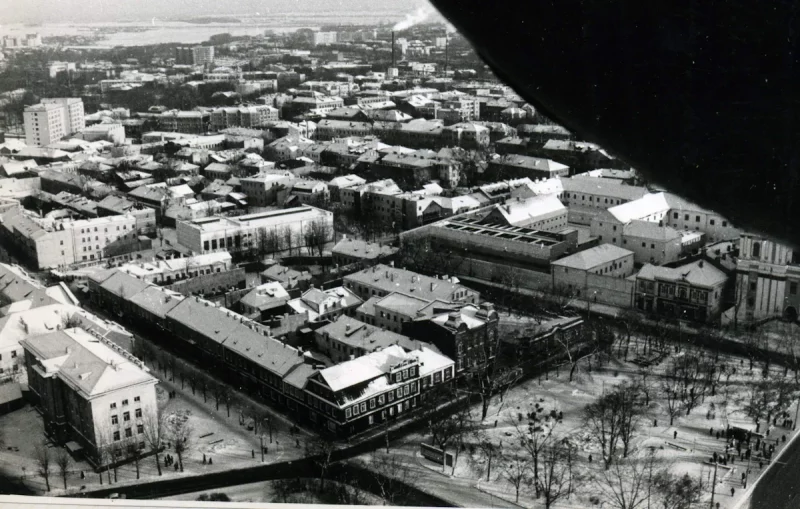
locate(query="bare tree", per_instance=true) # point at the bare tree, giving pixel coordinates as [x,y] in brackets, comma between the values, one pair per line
[626,483]
[394,478]
[558,477]
[670,391]
[604,422]
[288,238]
[154,432]
[227,396]
[320,451]
[533,439]
[63,463]
[678,492]
[180,433]
[516,471]
[44,463]
[317,235]
[488,452]
[631,411]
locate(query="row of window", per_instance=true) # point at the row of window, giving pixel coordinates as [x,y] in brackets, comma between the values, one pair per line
[361,408]
[126,416]
[13,355]
[136,399]
[129,434]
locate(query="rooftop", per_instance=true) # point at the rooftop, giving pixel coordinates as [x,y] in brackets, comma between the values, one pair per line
[390,279]
[697,273]
[592,257]
[362,249]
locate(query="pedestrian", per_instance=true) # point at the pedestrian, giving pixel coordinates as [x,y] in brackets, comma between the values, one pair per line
[784,439]
[176,467]
[83,476]
[655,423]
[760,464]
[210,461]
[733,491]
[252,453]
[590,458]
[743,476]
[675,435]
[711,432]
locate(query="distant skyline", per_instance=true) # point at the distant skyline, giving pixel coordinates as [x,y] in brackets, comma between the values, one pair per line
[92,11]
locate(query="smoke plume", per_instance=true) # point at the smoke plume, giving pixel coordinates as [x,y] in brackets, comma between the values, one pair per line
[414,18]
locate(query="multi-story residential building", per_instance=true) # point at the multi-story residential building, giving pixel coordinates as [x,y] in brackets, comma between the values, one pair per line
[320,305]
[264,301]
[685,215]
[418,133]
[145,216]
[61,243]
[235,234]
[53,119]
[287,277]
[248,87]
[607,225]
[166,272]
[318,38]
[329,129]
[346,338]
[115,133]
[544,212]
[203,55]
[90,392]
[588,197]
[689,292]
[361,393]
[344,182]
[242,116]
[381,280]
[267,188]
[650,242]
[767,280]
[572,272]
[515,166]
[189,122]
[467,135]
[309,101]
[467,334]
[310,192]
[348,251]
[376,198]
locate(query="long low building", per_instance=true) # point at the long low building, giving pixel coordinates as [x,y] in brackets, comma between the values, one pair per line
[286,229]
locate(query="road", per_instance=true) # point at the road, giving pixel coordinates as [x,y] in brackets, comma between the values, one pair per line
[780,486]
[253,492]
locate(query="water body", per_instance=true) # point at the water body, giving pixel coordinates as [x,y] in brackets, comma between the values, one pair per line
[156,31]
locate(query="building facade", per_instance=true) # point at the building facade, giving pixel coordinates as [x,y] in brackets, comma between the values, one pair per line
[53,119]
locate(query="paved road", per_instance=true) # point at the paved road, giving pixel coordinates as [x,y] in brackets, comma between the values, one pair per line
[253,492]
[780,486]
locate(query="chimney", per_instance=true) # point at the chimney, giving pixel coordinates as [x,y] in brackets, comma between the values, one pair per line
[347,328]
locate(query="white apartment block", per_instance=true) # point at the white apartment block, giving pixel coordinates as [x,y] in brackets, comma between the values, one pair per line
[215,234]
[262,190]
[202,55]
[242,116]
[53,119]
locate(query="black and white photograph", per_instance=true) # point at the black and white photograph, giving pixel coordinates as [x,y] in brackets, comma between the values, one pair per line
[423,253]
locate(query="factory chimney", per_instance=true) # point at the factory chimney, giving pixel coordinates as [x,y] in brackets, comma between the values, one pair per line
[392,48]
[446,40]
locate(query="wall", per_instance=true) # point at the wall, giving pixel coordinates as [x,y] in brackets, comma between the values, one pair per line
[610,290]
[19,188]
[653,251]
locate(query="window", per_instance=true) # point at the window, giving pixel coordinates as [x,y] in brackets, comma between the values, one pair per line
[686,217]
[711,221]
[140,429]
[138,413]
[126,416]
[413,371]
[14,354]
[114,419]
[136,399]
[696,219]
[724,223]
[391,397]
[381,399]
[347,413]
[116,436]
[756,249]
[124,402]
[399,392]
[372,403]
[793,288]
[363,407]
[406,390]
[674,215]
[113,405]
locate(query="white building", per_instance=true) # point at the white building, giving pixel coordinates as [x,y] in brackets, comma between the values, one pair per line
[93,395]
[544,212]
[115,133]
[289,226]
[202,55]
[53,119]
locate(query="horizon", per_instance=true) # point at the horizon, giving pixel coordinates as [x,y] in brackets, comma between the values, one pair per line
[121,11]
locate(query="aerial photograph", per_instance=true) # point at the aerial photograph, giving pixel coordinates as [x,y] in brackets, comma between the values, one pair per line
[359,252]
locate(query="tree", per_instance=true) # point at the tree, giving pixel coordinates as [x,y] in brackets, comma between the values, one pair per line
[631,411]
[670,391]
[44,463]
[394,478]
[288,238]
[604,422]
[488,452]
[285,488]
[558,476]
[154,431]
[63,462]
[320,451]
[515,470]
[180,433]
[318,234]
[626,483]
[533,439]
[677,492]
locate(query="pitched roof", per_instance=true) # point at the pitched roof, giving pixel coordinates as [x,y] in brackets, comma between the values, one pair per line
[362,249]
[158,301]
[123,285]
[392,279]
[645,206]
[363,369]
[522,212]
[592,257]
[603,187]
[358,334]
[697,273]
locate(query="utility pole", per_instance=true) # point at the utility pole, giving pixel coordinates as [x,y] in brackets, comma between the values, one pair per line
[262,447]
[713,486]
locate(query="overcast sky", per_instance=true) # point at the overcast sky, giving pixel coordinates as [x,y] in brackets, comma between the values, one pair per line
[43,11]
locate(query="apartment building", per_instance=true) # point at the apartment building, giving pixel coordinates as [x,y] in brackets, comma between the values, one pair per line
[347,338]
[62,243]
[53,119]
[203,55]
[187,122]
[267,189]
[572,272]
[689,292]
[587,197]
[242,116]
[92,394]
[381,280]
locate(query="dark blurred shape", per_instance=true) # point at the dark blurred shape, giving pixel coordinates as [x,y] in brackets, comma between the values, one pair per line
[701,97]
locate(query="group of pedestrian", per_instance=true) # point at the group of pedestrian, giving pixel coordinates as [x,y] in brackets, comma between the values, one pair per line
[169,460]
[172,394]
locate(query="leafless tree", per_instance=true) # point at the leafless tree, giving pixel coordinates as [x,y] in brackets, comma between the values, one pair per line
[317,235]
[180,432]
[154,432]
[63,463]
[394,478]
[626,483]
[488,452]
[516,471]
[227,396]
[631,409]
[320,450]
[604,422]
[678,492]
[670,389]
[533,439]
[288,238]
[558,477]
[44,463]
